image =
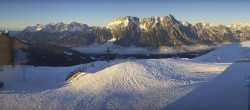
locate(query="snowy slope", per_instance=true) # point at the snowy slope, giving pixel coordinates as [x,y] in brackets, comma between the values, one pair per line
[227,91]
[37,78]
[137,84]
[120,84]
[227,53]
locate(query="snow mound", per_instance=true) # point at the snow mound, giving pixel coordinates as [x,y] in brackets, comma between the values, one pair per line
[142,84]
[227,53]
[119,84]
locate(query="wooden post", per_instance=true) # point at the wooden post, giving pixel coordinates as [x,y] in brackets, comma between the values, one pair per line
[247,79]
[248,107]
[1,84]
[24,74]
[108,53]
[12,51]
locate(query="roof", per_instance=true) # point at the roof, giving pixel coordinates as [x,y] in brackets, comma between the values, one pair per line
[25,45]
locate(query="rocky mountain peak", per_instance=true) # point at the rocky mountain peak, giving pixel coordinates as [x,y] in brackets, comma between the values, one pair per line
[239,26]
[123,22]
[185,23]
[58,27]
[153,32]
[143,23]
[171,17]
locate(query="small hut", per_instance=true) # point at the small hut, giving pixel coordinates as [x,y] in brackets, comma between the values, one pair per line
[12,52]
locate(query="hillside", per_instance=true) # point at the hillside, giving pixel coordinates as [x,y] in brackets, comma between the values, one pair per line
[135,84]
[120,84]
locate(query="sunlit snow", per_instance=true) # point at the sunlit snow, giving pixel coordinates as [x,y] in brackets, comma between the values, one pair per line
[136,84]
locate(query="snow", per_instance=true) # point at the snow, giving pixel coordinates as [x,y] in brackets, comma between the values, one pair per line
[239,26]
[228,53]
[7,73]
[67,53]
[185,23]
[123,22]
[225,92]
[136,84]
[207,25]
[141,23]
[58,27]
[30,28]
[119,84]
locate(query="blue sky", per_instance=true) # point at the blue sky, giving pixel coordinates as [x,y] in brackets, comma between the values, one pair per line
[17,14]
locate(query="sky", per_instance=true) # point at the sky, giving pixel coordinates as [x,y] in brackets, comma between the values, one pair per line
[18,14]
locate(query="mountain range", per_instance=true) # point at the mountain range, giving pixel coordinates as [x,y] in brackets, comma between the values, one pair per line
[134,31]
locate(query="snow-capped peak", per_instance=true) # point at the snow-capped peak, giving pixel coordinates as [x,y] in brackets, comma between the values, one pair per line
[185,23]
[239,26]
[171,17]
[123,21]
[205,24]
[58,27]
[142,23]
[30,29]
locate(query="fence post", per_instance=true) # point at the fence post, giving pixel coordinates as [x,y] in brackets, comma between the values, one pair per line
[247,79]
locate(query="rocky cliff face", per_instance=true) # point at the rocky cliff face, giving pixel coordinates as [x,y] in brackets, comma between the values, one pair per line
[58,27]
[125,30]
[240,30]
[212,34]
[167,31]
[157,31]
[67,35]
[143,32]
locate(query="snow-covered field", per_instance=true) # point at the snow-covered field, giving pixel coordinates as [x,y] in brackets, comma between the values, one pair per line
[172,84]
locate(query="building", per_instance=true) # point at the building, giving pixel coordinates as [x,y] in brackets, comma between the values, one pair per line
[12,50]
[12,54]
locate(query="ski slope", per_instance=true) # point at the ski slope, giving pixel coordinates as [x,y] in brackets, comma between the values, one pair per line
[227,91]
[137,84]
[227,53]
[120,84]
